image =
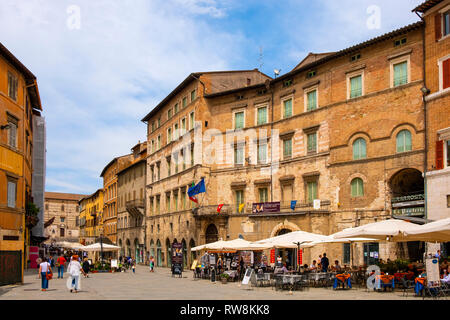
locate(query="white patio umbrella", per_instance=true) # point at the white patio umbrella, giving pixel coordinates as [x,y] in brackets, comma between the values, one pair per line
[340,240]
[69,245]
[98,247]
[387,230]
[210,246]
[241,244]
[437,231]
[292,239]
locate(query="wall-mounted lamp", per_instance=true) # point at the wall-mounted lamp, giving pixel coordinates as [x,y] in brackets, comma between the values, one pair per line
[425,91]
[6,126]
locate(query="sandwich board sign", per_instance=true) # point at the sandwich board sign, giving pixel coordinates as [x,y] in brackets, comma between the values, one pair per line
[248,274]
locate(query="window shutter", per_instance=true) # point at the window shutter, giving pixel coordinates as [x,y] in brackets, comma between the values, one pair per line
[439,155]
[437,26]
[446,74]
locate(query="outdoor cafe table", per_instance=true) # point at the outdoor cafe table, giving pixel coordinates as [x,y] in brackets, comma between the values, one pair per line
[344,279]
[384,281]
[291,279]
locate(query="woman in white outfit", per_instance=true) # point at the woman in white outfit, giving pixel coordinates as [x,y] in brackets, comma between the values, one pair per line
[74,269]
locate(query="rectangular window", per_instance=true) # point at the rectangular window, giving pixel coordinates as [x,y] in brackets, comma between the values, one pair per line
[239,120]
[153,126]
[239,194]
[12,134]
[311,191]
[312,142]
[168,166]
[191,120]
[183,200]
[158,201]
[13,84]
[159,142]
[12,193]
[287,149]
[175,201]
[193,95]
[263,195]
[184,102]
[239,154]
[262,116]
[169,114]
[447,150]
[168,202]
[400,73]
[183,126]
[287,108]
[446,18]
[159,122]
[192,155]
[311,100]
[346,253]
[262,153]
[356,86]
[444,74]
[158,171]
[169,135]
[175,131]
[175,108]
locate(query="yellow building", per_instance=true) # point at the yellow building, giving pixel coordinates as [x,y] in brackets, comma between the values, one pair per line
[91,217]
[19,101]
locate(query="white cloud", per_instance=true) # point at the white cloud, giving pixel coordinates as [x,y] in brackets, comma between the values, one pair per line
[98,82]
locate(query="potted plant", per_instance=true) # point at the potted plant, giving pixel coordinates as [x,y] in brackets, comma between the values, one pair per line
[224,278]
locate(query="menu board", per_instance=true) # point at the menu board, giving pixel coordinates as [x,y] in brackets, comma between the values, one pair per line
[432,269]
[177,257]
[248,274]
[113,263]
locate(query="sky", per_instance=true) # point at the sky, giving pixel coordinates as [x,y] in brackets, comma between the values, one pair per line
[102,65]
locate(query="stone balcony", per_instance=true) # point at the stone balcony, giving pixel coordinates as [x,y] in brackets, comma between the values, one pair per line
[136,208]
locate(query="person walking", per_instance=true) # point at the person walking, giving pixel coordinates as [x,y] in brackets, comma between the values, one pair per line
[86,267]
[44,269]
[60,262]
[74,269]
[152,264]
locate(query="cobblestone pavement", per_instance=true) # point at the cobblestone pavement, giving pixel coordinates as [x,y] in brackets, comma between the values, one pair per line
[160,285]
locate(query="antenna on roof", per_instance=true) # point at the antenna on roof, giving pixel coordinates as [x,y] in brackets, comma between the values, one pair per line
[276,72]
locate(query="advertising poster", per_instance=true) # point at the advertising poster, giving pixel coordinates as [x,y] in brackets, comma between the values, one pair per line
[266,207]
[177,257]
[114,263]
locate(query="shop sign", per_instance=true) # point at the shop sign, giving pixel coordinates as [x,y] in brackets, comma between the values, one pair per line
[266,207]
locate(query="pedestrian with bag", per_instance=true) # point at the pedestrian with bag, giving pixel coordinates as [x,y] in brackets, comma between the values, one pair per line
[74,269]
[60,265]
[45,273]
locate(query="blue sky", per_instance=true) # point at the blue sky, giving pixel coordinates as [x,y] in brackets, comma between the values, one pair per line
[99,80]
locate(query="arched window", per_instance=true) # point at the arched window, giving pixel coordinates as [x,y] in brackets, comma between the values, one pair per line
[404,141]
[357,187]
[359,149]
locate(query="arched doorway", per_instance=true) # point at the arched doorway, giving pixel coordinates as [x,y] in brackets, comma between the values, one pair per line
[128,248]
[168,250]
[408,200]
[121,247]
[137,255]
[152,249]
[185,260]
[211,234]
[193,253]
[158,253]
[287,255]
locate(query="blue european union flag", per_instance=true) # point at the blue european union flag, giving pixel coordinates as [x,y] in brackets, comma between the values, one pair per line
[198,188]
[293,203]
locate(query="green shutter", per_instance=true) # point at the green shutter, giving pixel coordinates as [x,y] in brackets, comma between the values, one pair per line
[287,148]
[312,191]
[312,142]
[355,86]
[400,73]
[287,108]
[312,100]
[239,120]
[262,115]
[359,149]
[357,187]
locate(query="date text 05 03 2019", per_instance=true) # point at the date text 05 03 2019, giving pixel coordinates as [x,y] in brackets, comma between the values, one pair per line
[228,309]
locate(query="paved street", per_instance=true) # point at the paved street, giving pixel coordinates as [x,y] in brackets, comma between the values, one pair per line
[161,286]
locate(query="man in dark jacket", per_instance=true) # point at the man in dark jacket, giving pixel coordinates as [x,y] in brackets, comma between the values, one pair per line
[86,267]
[324,262]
